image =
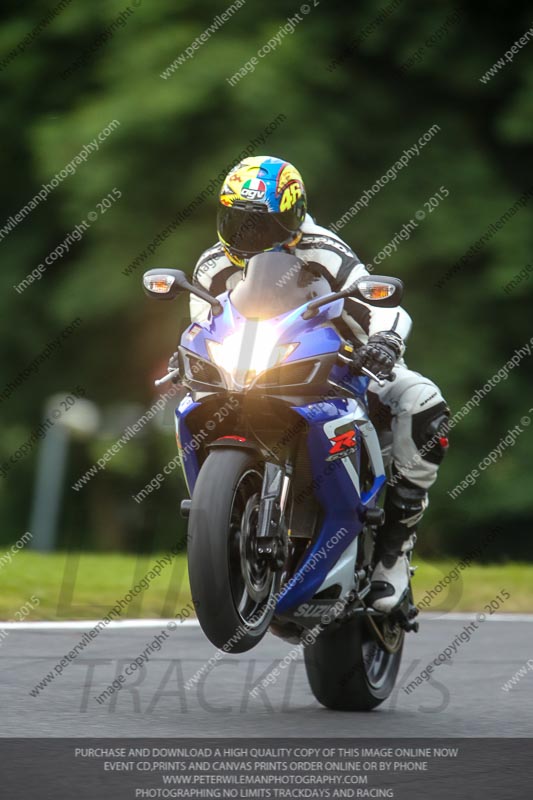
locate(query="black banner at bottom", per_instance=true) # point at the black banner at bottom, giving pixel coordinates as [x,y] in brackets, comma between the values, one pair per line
[405,769]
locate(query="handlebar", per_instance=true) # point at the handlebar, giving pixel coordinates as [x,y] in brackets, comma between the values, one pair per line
[379,381]
[167,377]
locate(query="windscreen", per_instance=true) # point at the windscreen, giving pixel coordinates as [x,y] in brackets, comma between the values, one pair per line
[275,283]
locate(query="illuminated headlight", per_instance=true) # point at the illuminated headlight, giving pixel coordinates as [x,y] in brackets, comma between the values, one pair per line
[244,355]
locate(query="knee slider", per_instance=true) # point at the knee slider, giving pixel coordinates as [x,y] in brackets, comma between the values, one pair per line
[430,432]
[405,498]
[405,504]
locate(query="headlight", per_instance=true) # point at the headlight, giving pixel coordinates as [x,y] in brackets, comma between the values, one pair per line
[246,353]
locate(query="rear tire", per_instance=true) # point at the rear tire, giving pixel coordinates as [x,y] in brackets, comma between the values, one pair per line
[232,591]
[349,669]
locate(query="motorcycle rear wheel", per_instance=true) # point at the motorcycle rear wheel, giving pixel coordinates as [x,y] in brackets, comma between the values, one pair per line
[350,669]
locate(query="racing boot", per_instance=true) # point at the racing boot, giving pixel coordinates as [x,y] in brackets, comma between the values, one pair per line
[405,504]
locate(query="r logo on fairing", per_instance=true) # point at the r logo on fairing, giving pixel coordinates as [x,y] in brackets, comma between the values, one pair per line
[343,444]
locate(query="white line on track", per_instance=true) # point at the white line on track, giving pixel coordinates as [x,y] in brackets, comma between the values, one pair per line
[433,616]
[83,625]
[128,624]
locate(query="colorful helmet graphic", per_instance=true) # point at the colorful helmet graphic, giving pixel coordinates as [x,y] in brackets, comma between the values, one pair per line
[262,207]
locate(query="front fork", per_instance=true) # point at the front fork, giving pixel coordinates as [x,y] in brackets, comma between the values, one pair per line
[272,538]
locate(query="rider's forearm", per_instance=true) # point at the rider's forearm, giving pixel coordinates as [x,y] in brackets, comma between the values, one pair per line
[390,319]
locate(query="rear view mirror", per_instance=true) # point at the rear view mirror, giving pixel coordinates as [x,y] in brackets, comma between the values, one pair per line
[165,284]
[378,290]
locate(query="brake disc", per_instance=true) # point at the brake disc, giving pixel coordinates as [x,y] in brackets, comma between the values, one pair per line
[393,638]
[257,575]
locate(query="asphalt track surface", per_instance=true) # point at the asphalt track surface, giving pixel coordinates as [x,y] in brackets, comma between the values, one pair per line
[463,698]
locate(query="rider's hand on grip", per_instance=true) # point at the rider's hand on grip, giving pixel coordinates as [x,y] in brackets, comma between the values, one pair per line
[379,354]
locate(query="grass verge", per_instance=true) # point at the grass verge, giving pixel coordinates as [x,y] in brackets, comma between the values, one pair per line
[87,586]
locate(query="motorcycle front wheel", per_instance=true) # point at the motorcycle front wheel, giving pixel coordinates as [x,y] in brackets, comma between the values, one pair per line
[233,591]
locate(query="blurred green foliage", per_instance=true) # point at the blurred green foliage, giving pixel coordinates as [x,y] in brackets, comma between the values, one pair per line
[345,126]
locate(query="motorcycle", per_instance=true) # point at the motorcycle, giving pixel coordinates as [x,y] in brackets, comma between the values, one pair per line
[286,475]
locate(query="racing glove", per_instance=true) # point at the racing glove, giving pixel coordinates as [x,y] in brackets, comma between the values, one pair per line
[379,354]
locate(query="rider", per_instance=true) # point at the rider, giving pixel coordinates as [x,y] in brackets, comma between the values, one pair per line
[263,207]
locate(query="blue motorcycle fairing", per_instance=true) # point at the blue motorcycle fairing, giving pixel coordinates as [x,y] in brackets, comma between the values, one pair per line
[289,327]
[185,442]
[358,384]
[335,482]
[336,487]
[285,329]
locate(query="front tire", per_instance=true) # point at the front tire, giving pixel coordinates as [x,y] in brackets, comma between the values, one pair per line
[349,669]
[233,592]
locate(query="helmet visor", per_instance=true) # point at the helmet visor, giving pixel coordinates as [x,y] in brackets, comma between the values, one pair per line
[255,231]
